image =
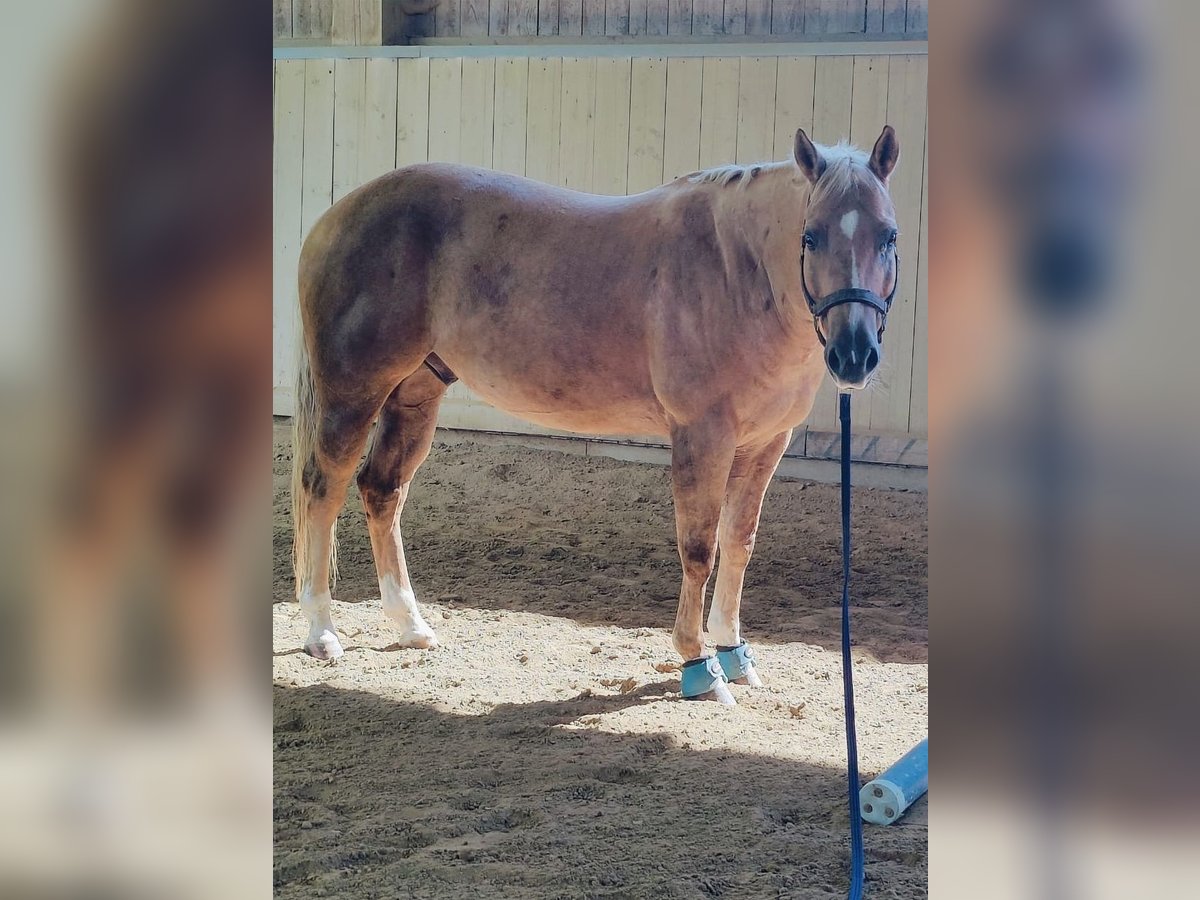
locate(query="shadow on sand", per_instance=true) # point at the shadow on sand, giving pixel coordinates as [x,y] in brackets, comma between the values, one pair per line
[378,798]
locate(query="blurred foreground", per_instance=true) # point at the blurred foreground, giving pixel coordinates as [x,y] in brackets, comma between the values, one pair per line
[134,719]
[1064,427]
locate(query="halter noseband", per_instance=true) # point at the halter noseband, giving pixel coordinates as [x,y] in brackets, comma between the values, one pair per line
[818,307]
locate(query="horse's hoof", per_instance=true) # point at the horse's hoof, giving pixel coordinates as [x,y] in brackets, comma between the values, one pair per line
[418,639]
[720,693]
[750,679]
[324,646]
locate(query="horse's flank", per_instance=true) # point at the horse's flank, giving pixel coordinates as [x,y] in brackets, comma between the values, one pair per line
[616,315]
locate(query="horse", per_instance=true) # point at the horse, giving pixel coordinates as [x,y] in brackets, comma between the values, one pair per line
[705,311]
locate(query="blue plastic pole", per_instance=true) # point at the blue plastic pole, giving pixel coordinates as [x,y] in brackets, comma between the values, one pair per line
[884,799]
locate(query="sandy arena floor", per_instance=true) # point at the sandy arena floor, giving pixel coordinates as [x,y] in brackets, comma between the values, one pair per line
[543,750]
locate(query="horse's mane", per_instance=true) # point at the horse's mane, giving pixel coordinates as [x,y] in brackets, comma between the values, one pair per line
[845,164]
[731,174]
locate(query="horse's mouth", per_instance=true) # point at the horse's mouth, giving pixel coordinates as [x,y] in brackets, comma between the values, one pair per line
[861,386]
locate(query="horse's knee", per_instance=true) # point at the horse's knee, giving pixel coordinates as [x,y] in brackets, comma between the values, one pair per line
[738,550]
[698,556]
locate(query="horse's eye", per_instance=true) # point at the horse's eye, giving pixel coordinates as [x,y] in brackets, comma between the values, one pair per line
[891,241]
[810,242]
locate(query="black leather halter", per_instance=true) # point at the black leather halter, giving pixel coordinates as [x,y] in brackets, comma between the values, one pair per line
[818,307]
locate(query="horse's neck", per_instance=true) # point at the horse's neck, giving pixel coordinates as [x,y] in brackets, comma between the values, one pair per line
[766,218]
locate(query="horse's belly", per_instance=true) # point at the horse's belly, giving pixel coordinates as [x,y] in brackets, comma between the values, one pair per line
[597,406]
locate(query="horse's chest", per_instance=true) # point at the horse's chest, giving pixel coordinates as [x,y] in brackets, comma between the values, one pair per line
[771,411]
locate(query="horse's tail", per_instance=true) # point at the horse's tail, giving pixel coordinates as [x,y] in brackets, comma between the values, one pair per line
[306,418]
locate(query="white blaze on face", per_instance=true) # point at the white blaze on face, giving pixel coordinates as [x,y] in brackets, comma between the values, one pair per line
[849,227]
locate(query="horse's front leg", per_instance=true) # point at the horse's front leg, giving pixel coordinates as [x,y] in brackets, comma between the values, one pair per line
[701,457]
[748,480]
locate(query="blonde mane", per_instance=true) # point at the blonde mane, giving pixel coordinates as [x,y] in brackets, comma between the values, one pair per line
[845,167]
[733,174]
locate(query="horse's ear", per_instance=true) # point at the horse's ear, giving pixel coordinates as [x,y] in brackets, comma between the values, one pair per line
[886,154]
[808,157]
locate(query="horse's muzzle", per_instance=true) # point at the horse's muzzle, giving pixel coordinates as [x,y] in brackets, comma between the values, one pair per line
[852,353]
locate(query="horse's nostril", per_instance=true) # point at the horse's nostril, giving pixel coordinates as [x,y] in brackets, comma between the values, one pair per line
[833,360]
[872,359]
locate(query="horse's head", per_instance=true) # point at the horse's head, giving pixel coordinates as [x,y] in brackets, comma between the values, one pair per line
[849,266]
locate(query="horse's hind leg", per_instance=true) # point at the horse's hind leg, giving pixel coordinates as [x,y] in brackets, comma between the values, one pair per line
[327,449]
[401,443]
[748,480]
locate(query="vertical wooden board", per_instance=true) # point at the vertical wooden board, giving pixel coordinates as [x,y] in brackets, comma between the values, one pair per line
[718,111]
[657,17]
[637,16]
[756,109]
[343,26]
[370,22]
[447,18]
[477,110]
[875,16]
[895,14]
[498,18]
[616,17]
[906,113]
[610,154]
[570,17]
[647,123]
[869,101]
[281,24]
[523,17]
[679,17]
[758,16]
[787,17]
[379,120]
[734,17]
[831,123]
[834,17]
[312,18]
[318,140]
[576,134]
[287,194]
[868,116]
[917,19]
[474,19]
[544,121]
[708,17]
[794,86]
[918,411]
[593,16]
[412,111]
[832,98]
[511,118]
[445,106]
[547,22]
[349,89]
[681,140]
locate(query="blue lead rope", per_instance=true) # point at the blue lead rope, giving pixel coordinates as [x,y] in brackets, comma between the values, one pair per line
[856,838]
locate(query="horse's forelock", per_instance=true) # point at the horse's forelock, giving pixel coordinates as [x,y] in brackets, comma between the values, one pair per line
[846,167]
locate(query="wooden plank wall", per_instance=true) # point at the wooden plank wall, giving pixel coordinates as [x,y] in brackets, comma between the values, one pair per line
[379,21]
[609,125]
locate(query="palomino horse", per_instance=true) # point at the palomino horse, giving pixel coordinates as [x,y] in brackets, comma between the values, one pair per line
[689,311]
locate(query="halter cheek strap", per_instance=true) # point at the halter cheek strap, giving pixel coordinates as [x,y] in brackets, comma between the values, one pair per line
[820,306]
